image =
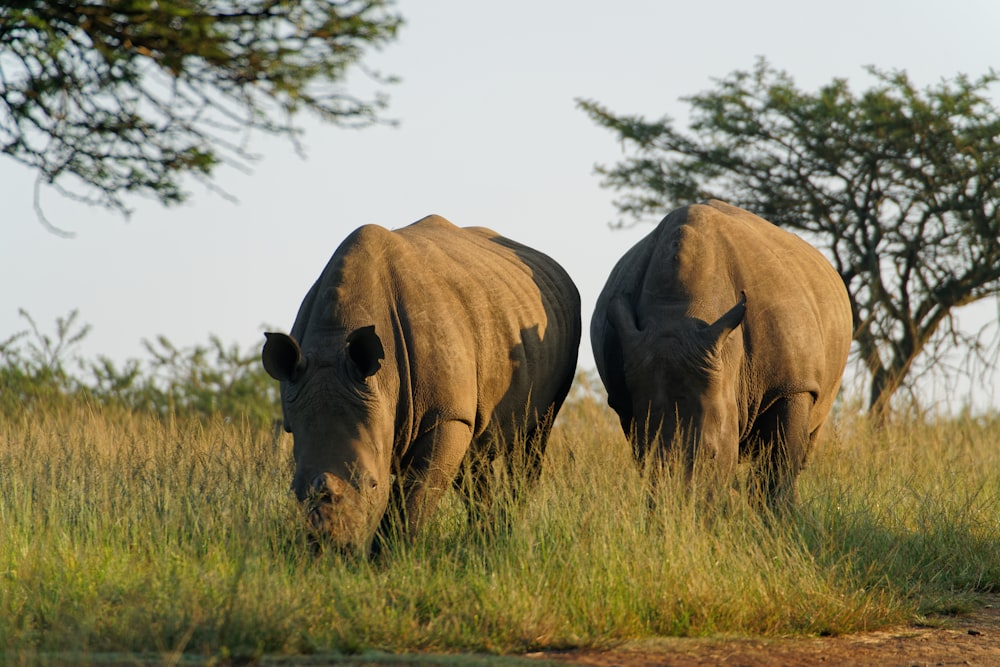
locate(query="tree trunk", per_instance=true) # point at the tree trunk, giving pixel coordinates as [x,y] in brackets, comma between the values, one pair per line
[885,383]
[882,390]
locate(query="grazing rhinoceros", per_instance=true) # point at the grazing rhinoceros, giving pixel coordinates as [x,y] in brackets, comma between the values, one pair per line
[413,348]
[729,333]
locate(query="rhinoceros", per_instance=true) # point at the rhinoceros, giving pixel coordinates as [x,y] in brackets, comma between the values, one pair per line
[726,335]
[417,356]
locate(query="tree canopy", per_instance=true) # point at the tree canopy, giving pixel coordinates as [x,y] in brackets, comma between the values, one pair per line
[116,97]
[901,186]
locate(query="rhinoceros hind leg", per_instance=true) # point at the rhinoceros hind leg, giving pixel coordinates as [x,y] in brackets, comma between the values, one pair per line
[780,444]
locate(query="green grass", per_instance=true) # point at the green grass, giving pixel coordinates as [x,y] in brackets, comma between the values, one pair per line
[129,534]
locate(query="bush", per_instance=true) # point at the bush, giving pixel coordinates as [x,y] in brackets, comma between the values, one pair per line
[39,370]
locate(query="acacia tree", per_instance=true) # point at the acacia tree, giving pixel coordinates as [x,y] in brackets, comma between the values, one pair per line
[106,98]
[901,186]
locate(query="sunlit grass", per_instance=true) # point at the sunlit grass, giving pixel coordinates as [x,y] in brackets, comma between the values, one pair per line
[126,533]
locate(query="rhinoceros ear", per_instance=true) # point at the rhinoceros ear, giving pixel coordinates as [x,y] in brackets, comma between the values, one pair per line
[622,317]
[366,351]
[282,357]
[719,331]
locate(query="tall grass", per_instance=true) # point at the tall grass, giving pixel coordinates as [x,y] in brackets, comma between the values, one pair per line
[124,532]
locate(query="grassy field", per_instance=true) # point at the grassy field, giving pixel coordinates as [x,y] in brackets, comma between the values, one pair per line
[125,533]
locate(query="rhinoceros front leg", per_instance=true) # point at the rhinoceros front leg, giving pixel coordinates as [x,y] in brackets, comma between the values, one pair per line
[781,442]
[431,466]
[490,496]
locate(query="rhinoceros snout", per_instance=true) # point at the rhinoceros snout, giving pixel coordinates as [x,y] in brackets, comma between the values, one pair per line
[332,503]
[339,514]
[329,487]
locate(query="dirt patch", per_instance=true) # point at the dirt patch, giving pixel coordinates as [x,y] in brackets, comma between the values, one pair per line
[967,639]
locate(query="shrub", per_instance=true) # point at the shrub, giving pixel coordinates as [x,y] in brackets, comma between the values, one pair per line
[41,370]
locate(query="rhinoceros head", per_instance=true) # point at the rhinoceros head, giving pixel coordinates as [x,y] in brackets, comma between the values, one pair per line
[681,390]
[342,433]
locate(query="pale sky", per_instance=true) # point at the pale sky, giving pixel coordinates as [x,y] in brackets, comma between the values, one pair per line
[488,135]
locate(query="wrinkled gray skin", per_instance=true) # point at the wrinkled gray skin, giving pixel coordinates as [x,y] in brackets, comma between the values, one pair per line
[414,348]
[728,335]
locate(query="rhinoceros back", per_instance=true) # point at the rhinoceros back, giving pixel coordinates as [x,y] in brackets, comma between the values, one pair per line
[480,328]
[695,265]
[517,312]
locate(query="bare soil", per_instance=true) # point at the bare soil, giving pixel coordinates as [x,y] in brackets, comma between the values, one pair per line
[966,639]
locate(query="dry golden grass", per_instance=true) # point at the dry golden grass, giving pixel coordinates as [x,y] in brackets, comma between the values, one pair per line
[127,533]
